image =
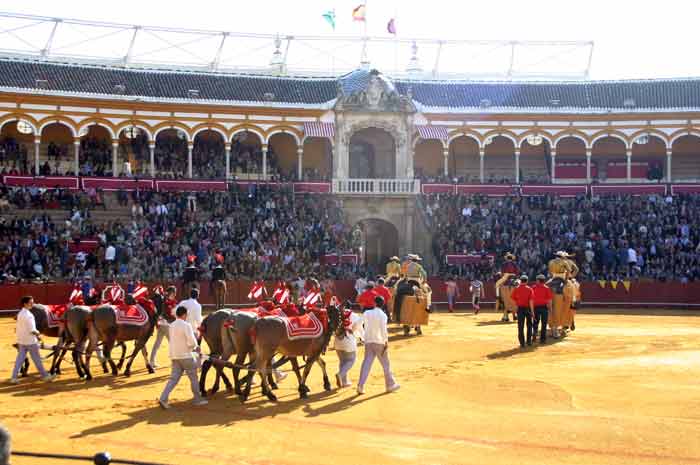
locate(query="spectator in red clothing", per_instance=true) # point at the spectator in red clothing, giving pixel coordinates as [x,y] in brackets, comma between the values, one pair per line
[541,300]
[522,295]
[381,290]
[366,299]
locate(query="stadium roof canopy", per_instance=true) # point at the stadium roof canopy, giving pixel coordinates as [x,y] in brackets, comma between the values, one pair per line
[39,77]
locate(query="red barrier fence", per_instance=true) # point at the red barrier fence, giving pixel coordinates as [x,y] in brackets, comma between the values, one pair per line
[115,184]
[640,294]
[556,189]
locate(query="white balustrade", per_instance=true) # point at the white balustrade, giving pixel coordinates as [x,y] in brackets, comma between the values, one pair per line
[397,187]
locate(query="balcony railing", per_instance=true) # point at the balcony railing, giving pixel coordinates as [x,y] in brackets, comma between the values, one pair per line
[398,187]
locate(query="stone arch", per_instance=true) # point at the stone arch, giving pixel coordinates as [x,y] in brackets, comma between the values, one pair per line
[317,162]
[685,162]
[682,133]
[499,158]
[611,134]
[428,159]
[214,127]
[380,240]
[13,117]
[609,154]
[501,133]
[63,121]
[251,129]
[652,154]
[146,128]
[463,159]
[372,151]
[284,130]
[172,125]
[652,133]
[464,132]
[246,151]
[97,122]
[574,133]
[570,160]
[171,151]
[282,153]
[534,159]
[545,135]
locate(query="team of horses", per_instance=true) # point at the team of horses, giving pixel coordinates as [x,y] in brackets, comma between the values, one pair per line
[253,336]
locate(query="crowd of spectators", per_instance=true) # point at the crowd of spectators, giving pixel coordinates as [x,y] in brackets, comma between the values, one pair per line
[612,237]
[262,233]
[13,156]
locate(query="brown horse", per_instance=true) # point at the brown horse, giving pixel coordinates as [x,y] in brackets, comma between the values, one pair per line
[271,338]
[102,326]
[218,288]
[227,332]
[76,333]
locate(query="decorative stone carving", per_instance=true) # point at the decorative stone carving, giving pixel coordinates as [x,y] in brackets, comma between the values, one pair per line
[379,94]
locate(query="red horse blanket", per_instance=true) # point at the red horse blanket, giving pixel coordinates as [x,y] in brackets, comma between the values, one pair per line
[54,315]
[131,315]
[307,326]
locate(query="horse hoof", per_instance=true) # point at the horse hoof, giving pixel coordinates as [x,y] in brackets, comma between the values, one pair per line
[327,386]
[303,395]
[88,378]
[243,398]
[126,373]
[272,397]
[273,385]
[238,392]
[151,370]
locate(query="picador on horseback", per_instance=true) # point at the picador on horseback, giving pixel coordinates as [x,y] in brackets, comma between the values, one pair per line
[508,274]
[413,281]
[190,275]
[217,285]
[563,271]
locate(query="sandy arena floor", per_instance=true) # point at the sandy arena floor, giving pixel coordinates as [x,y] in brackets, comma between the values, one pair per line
[621,389]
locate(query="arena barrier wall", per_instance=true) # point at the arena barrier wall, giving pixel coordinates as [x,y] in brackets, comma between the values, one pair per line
[640,294]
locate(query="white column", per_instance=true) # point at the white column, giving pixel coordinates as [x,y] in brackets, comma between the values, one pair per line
[446,161]
[300,162]
[589,154]
[227,148]
[669,153]
[553,154]
[37,147]
[482,153]
[517,166]
[264,162]
[76,149]
[190,145]
[115,156]
[629,165]
[152,150]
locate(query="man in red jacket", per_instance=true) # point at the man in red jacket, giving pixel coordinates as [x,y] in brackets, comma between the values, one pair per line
[381,290]
[522,296]
[541,300]
[366,299]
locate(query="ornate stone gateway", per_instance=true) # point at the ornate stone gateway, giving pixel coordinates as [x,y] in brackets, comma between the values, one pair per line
[369,108]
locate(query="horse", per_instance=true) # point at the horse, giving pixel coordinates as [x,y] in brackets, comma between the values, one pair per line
[76,333]
[218,287]
[270,334]
[563,296]
[508,303]
[234,327]
[103,326]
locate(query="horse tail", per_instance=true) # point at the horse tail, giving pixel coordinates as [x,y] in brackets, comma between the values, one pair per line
[253,335]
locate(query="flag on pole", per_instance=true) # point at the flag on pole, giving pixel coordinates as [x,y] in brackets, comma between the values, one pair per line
[329,16]
[614,284]
[627,285]
[391,26]
[359,12]
[602,283]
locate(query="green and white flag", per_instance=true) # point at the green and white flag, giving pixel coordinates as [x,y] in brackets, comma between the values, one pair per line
[330,17]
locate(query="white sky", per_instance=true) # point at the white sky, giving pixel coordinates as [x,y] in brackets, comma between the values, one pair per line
[633,39]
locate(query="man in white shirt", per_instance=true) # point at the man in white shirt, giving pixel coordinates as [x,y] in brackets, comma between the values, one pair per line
[376,345]
[183,346]
[28,341]
[194,312]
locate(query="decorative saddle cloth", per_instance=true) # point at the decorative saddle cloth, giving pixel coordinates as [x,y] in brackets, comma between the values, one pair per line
[307,326]
[131,315]
[54,315]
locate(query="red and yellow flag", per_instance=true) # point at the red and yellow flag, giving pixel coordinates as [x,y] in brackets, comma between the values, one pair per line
[359,13]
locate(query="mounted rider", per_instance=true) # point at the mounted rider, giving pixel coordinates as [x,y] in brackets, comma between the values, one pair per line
[561,269]
[509,270]
[413,275]
[217,272]
[190,274]
[393,269]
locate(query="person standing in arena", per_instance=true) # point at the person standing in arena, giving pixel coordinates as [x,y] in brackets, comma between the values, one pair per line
[542,301]
[183,346]
[522,295]
[194,312]
[381,290]
[163,326]
[366,298]
[476,287]
[28,341]
[376,346]
[452,291]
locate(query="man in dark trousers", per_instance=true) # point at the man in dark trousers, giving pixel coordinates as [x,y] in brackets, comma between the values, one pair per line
[522,296]
[541,300]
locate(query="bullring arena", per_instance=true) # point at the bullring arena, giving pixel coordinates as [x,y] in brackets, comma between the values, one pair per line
[285,195]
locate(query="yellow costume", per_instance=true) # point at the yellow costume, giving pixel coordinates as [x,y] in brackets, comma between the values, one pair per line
[416,272]
[393,269]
